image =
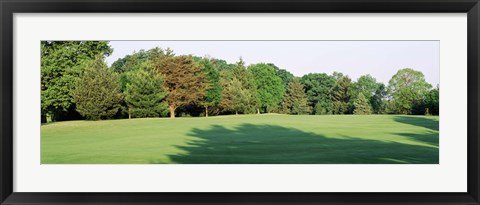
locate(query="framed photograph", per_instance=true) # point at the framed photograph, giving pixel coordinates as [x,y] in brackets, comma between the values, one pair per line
[227,102]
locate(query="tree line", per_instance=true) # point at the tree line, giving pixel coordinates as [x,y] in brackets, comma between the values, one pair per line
[77,84]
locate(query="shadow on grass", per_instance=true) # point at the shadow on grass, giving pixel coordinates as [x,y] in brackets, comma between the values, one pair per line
[418,121]
[270,144]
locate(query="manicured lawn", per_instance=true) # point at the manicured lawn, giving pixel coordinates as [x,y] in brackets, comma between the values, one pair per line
[245,139]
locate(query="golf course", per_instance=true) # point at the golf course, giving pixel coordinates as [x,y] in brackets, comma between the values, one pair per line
[245,139]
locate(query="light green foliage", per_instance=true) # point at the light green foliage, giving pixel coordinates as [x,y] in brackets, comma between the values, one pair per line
[362,107]
[295,101]
[372,90]
[318,88]
[61,66]
[144,94]
[408,88]
[367,85]
[236,96]
[270,88]
[248,83]
[97,93]
[245,139]
[239,93]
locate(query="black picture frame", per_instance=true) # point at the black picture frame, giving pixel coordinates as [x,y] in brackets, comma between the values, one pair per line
[9,7]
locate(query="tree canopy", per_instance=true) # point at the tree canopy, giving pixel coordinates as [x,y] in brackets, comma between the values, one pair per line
[408,88]
[145,94]
[61,66]
[97,92]
[295,100]
[76,83]
[270,88]
[184,80]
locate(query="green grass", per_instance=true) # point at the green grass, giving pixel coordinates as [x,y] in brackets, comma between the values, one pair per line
[244,139]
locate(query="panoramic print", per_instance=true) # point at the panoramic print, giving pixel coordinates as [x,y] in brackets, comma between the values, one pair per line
[240,102]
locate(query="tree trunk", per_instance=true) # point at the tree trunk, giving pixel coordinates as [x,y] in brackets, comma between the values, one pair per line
[129,115]
[206,111]
[258,111]
[236,112]
[172,111]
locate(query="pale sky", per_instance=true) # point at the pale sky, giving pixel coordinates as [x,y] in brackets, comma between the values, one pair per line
[381,59]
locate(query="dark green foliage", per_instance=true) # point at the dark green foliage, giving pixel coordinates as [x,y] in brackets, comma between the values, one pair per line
[213,93]
[432,102]
[341,95]
[222,65]
[144,94]
[318,88]
[362,107]
[97,93]
[270,88]
[139,60]
[295,101]
[286,76]
[408,88]
[61,66]
[378,100]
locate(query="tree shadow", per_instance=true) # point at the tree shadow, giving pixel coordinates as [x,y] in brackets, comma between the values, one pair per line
[271,144]
[420,121]
[428,138]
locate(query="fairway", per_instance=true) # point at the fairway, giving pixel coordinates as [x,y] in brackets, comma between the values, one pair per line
[245,139]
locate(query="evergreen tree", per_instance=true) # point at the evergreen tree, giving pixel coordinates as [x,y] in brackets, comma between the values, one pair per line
[213,93]
[341,94]
[144,94]
[295,100]
[248,84]
[362,107]
[236,96]
[97,93]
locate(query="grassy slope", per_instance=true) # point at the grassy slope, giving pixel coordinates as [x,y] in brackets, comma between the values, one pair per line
[244,139]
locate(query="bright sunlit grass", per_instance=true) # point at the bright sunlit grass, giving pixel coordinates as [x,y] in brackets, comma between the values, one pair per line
[245,139]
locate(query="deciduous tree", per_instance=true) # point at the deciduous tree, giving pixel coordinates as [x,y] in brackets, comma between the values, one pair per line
[61,66]
[270,89]
[184,80]
[407,87]
[318,88]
